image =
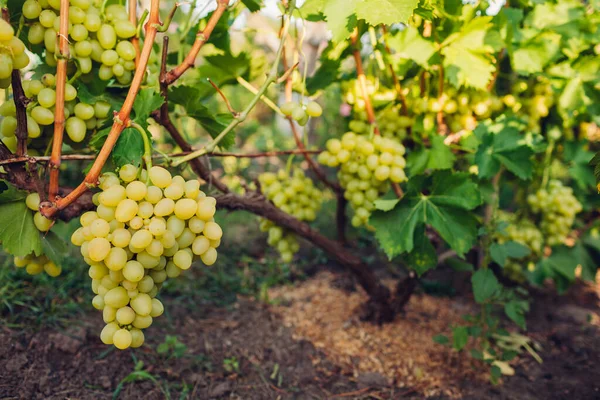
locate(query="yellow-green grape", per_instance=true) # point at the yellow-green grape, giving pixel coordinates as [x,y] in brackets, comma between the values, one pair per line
[521,230]
[367,166]
[35,265]
[313,109]
[138,237]
[558,207]
[296,195]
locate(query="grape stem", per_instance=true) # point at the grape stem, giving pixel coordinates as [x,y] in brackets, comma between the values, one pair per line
[201,38]
[241,117]
[120,121]
[362,80]
[167,21]
[147,157]
[247,85]
[59,111]
[225,99]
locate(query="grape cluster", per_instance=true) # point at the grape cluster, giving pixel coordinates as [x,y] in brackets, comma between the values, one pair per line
[12,53]
[94,36]
[295,195]
[367,166]
[558,207]
[81,118]
[139,236]
[391,123]
[521,230]
[35,265]
[42,223]
[301,113]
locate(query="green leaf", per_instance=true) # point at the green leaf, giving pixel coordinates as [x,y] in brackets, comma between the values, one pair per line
[445,208]
[441,339]
[342,15]
[189,98]
[459,265]
[409,44]
[233,65]
[515,310]
[460,337]
[386,204]
[468,54]
[500,253]
[595,163]
[485,285]
[423,257]
[253,5]
[129,149]
[147,101]
[54,247]
[18,234]
[502,144]
[326,75]
[438,157]
[532,56]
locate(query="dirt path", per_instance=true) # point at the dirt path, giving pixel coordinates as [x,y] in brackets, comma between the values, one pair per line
[296,350]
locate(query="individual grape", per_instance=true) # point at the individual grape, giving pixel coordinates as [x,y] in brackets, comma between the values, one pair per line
[107,37]
[42,115]
[313,109]
[6,66]
[76,129]
[42,223]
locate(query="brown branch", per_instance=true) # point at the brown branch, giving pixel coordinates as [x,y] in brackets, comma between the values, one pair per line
[163,118]
[135,41]
[201,38]
[254,202]
[362,80]
[59,110]
[89,157]
[120,119]
[441,121]
[21,102]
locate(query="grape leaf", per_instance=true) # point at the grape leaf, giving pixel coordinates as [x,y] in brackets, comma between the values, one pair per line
[342,15]
[445,207]
[485,285]
[233,65]
[423,257]
[409,44]
[188,97]
[439,156]
[503,145]
[533,55]
[460,337]
[253,5]
[515,310]
[54,247]
[129,148]
[500,253]
[18,234]
[468,53]
[147,101]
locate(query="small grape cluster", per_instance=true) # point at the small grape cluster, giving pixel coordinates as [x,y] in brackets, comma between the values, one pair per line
[139,236]
[35,265]
[392,124]
[558,208]
[521,230]
[295,195]
[81,118]
[95,35]
[301,113]
[12,53]
[367,166]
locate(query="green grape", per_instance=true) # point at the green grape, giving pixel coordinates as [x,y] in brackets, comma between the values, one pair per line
[76,129]
[8,126]
[313,109]
[42,115]
[107,37]
[92,22]
[6,66]
[125,29]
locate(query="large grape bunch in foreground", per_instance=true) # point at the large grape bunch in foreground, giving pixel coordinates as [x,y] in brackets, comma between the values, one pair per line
[142,233]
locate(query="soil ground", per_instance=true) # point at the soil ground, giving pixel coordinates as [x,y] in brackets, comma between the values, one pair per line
[308,344]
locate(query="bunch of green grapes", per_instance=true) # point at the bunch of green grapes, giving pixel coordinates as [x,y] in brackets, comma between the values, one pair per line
[81,118]
[295,195]
[367,166]
[558,208]
[391,123]
[301,113]
[94,36]
[378,94]
[514,270]
[12,53]
[521,230]
[140,235]
[232,166]
[35,265]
